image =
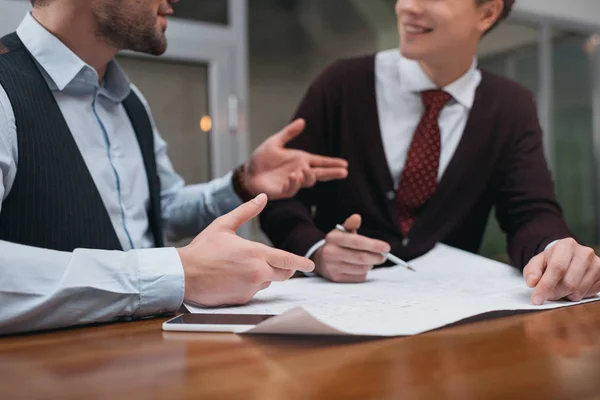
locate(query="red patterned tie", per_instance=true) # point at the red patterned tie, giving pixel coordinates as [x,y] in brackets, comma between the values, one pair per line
[420,175]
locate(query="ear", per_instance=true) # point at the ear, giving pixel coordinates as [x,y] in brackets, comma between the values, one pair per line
[488,13]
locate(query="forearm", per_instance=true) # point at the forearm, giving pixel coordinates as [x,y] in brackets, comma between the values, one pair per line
[534,236]
[194,207]
[44,289]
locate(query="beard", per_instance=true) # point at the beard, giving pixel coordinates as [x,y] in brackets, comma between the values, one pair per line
[129,25]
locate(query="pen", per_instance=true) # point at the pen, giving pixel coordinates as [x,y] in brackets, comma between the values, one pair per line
[388,256]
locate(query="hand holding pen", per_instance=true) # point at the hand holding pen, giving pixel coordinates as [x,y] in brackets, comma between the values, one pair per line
[347,256]
[389,256]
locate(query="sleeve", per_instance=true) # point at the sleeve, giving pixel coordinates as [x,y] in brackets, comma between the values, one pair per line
[187,210]
[289,223]
[526,206]
[44,289]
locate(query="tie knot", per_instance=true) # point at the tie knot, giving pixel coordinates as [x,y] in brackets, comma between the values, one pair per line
[435,99]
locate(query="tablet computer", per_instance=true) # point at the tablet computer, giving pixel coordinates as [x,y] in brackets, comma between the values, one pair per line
[214,322]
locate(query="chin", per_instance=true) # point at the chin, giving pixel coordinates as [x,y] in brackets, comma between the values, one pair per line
[411,53]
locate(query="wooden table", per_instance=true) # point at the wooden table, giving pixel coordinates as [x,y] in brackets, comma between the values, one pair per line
[547,355]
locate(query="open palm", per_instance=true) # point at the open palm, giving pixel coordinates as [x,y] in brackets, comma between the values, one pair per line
[280,172]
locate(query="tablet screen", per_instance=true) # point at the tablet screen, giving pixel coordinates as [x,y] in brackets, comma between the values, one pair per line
[220,319]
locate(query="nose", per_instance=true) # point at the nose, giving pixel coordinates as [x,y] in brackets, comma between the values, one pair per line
[409,7]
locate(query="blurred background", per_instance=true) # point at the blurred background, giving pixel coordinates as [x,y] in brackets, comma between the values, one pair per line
[236,69]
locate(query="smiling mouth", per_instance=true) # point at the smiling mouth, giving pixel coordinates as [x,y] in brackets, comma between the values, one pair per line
[417,29]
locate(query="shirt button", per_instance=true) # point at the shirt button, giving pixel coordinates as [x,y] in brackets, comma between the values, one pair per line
[391,195]
[405,242]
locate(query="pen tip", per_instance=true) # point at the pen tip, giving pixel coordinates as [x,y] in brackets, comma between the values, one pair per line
[412,269]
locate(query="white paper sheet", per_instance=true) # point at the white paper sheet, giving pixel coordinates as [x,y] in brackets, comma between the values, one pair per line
[449,285]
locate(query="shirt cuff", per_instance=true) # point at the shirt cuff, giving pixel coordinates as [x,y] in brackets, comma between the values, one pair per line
[224,194]
[312,251]
[314,248]
[161,281]
[551,244]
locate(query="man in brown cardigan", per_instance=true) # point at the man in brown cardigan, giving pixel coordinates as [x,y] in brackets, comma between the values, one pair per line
[433,143]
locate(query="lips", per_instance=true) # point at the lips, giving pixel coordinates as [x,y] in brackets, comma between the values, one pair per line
[417,29]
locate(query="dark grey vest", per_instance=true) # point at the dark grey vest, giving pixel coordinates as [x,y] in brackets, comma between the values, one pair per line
[54,202]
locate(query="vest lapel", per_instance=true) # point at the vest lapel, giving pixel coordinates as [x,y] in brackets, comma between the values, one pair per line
[140,121]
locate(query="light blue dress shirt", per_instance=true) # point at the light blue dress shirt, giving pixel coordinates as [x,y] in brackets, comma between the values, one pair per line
[44,289]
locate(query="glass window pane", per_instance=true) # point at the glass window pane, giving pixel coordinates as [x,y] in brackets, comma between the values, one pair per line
[515,45]
[178,97]
[573,142]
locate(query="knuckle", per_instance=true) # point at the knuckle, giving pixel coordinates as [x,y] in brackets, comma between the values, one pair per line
[589,253]
[560,267]
[328,252]
[544,286]
[569,243]
[570,285]
[363,258]
[355,243]
[332,236]
[256,275]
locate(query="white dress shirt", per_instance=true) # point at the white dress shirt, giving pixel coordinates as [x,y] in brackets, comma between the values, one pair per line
[399,83]
[42,289]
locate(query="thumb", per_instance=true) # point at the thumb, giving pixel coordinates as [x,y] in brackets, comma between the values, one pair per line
[243,213]
[352,224]
[290,131]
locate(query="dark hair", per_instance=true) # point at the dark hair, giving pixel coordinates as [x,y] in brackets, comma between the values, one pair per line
[508,5]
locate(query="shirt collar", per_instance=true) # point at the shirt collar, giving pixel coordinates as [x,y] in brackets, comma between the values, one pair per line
[414,79]
[62,67]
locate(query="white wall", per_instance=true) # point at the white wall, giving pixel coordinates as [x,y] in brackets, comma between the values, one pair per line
[575,13]
[11,13]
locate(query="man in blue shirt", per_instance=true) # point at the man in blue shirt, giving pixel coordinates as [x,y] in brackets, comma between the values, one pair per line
[87,189]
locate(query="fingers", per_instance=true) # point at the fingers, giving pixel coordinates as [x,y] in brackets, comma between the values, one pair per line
[310,178]
[534,270]
[557,264]
[294,185]
[354,257]
[329,174]
[580,266]
[317,161]
[353,223]
[243,213]
[348,273]
[358,242]
[594,291]
[287,261]
[590,284]
[290,132]
[351,278]
[280,275]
